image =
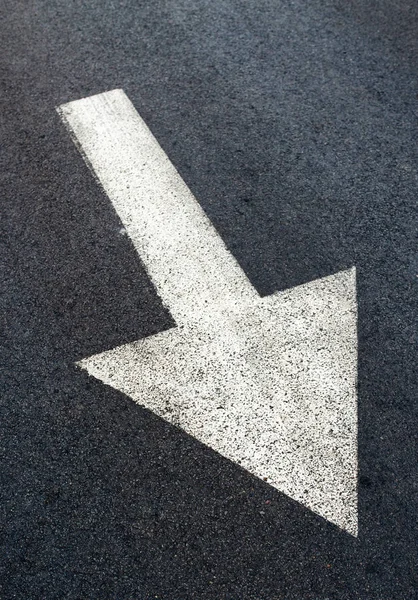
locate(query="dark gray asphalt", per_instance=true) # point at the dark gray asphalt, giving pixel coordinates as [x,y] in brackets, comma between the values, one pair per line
[295,125]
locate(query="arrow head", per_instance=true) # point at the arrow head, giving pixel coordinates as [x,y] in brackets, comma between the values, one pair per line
[271,387]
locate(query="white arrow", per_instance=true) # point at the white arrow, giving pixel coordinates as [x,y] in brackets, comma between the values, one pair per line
[269,383]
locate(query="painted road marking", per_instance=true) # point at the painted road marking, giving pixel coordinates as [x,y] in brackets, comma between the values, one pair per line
[269,383]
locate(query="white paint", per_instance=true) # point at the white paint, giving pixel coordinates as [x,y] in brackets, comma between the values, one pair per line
[269,383]
[185,258]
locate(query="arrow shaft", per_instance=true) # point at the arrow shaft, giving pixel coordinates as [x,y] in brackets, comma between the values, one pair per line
[194,273]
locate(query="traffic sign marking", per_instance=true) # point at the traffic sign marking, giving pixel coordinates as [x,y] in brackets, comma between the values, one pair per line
[269,383]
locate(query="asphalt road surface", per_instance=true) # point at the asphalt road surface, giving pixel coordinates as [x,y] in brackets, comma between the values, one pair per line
[294,124]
